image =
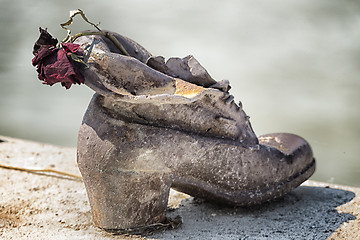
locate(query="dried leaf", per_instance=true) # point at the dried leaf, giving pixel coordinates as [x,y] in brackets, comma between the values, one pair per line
[73,13]
[79,59]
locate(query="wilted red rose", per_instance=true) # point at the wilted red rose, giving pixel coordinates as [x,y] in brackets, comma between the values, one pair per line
[56,64]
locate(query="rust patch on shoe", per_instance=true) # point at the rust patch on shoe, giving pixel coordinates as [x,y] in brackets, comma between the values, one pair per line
[187,89]
[273,142]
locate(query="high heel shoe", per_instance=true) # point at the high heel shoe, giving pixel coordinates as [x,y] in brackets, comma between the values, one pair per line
[152,126]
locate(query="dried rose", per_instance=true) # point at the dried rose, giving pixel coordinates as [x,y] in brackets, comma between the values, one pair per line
[57,64]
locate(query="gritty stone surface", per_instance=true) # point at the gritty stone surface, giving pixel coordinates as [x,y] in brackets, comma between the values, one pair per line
[49,206]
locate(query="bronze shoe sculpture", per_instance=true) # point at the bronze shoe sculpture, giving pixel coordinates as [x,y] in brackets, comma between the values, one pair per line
[152,126]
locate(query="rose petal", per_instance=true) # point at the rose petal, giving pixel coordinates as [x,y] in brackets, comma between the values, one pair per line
[44,40]
[43,53]
[70,47]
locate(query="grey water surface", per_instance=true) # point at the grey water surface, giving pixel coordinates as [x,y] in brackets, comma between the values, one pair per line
[295,65]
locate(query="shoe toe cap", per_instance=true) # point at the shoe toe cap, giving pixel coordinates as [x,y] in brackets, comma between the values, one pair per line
[293,153]
[290,145]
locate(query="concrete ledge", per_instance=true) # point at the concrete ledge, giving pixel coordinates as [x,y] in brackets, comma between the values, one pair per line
[49,206]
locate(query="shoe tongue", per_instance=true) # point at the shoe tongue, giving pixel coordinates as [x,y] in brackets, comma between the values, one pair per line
[187,68]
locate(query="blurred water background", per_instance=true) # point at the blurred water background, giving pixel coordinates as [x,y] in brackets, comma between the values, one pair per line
[295,65]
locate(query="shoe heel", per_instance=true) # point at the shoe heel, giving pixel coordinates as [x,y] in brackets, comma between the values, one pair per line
[121,200]
[121,196]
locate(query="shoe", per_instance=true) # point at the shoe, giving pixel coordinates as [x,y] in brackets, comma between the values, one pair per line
[152,126]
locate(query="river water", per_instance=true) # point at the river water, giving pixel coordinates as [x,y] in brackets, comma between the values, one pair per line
[295,65]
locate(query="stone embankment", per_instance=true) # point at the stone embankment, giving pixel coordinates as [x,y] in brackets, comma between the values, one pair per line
[50,202]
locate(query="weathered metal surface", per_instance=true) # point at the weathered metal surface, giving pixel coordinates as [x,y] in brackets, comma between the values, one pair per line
[148,129]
